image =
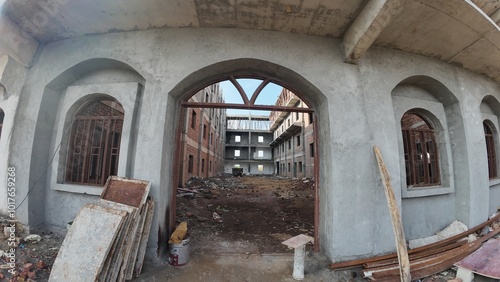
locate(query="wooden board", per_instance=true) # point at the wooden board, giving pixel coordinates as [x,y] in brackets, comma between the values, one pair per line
[485,261]
[86,246]
[130,265]
[126,191]
[397,226]
[144,238]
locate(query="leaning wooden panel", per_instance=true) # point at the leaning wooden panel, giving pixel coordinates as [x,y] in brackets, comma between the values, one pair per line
[130,264]
[485,261]
[144,238]
[86,246]
[126,191]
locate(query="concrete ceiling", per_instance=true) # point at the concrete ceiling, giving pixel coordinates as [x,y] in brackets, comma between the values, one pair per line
[461,32]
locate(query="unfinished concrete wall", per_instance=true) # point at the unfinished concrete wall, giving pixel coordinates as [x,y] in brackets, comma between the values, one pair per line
[354,104]
[12,76]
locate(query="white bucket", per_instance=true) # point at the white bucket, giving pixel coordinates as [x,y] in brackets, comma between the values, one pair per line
[179,253]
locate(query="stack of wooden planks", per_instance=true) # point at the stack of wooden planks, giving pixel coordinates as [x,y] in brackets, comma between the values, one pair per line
[425,260]
[107,240]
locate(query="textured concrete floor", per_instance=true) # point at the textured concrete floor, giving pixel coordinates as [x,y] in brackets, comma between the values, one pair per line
[242,267]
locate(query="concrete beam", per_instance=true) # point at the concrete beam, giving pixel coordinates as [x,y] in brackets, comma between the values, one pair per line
[15,42]
[367,27]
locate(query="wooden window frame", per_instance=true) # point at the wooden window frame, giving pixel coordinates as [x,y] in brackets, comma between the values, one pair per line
[490,151]
[421,162]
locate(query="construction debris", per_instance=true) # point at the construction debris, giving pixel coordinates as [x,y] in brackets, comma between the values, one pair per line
[485,261]
[107,240]
[425,260]
[453,229]
[179,234]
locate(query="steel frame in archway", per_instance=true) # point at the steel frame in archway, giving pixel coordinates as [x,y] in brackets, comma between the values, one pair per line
[248,104]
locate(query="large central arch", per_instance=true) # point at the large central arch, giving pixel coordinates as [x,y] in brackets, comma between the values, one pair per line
[244,67]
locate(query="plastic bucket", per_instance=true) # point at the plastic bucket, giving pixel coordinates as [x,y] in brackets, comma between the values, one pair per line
[179,253]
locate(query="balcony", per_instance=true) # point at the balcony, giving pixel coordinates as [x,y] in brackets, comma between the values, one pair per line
[291,130]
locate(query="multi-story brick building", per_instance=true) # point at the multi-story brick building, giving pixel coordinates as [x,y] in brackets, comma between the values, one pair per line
[203,137]
[247,145]
[293,138]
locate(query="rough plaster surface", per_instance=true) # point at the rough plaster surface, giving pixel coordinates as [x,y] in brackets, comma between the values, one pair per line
[355,111]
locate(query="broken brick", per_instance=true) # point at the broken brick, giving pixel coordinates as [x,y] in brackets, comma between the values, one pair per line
[40,264]
[28,267]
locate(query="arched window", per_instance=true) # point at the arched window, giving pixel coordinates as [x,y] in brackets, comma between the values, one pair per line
[95,143]
[2,115]
[490,149]
[421,158]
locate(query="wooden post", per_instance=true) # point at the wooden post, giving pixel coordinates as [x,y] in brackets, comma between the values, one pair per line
[404,263]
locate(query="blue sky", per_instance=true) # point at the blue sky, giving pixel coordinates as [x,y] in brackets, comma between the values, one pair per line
[268,95]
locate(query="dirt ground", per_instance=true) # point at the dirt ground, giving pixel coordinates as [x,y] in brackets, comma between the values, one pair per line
[258,211]
[236,227]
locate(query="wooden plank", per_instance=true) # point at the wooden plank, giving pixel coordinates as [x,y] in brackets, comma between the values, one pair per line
[360,262]
[397,226]
[130,265]
[86,246]
[126,191]
[144,238]
[485,261]
[113,261]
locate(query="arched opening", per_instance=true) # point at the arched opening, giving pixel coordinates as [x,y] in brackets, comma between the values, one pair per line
[237,75]
[94,145]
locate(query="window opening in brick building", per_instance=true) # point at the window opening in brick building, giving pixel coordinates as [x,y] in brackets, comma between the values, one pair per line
[202,165]
[260,153]
[236,153]
[300,166]
[261,139]
[490,150]
[298,140]
[193,120]
[237,138]
[190,163]
[420,151]
[260,168]
[311,150]
[94,145]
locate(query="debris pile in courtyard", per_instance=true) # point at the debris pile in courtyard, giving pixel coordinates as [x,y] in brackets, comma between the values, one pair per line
[428,259]
[261,211]
[107,240]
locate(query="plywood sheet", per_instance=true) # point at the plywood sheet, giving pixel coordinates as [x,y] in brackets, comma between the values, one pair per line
[126,191]
[485,261]
[86,246]
[298,241]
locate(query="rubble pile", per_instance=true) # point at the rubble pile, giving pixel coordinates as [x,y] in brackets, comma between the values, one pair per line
[34,254]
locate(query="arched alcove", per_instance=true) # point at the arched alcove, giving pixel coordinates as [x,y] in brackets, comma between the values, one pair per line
[91,76]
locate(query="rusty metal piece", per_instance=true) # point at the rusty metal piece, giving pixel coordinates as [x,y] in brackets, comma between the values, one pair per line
[360,262]
[414,256]
[427,266]
[126,191]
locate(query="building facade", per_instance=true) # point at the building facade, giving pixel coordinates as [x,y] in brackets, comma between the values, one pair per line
[362,66]
[247,145]
[293,138]
[203,137]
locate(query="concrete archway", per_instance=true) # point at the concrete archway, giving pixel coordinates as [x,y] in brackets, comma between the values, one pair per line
[245,67]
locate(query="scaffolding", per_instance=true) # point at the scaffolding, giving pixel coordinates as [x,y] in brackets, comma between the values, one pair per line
[248,122]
